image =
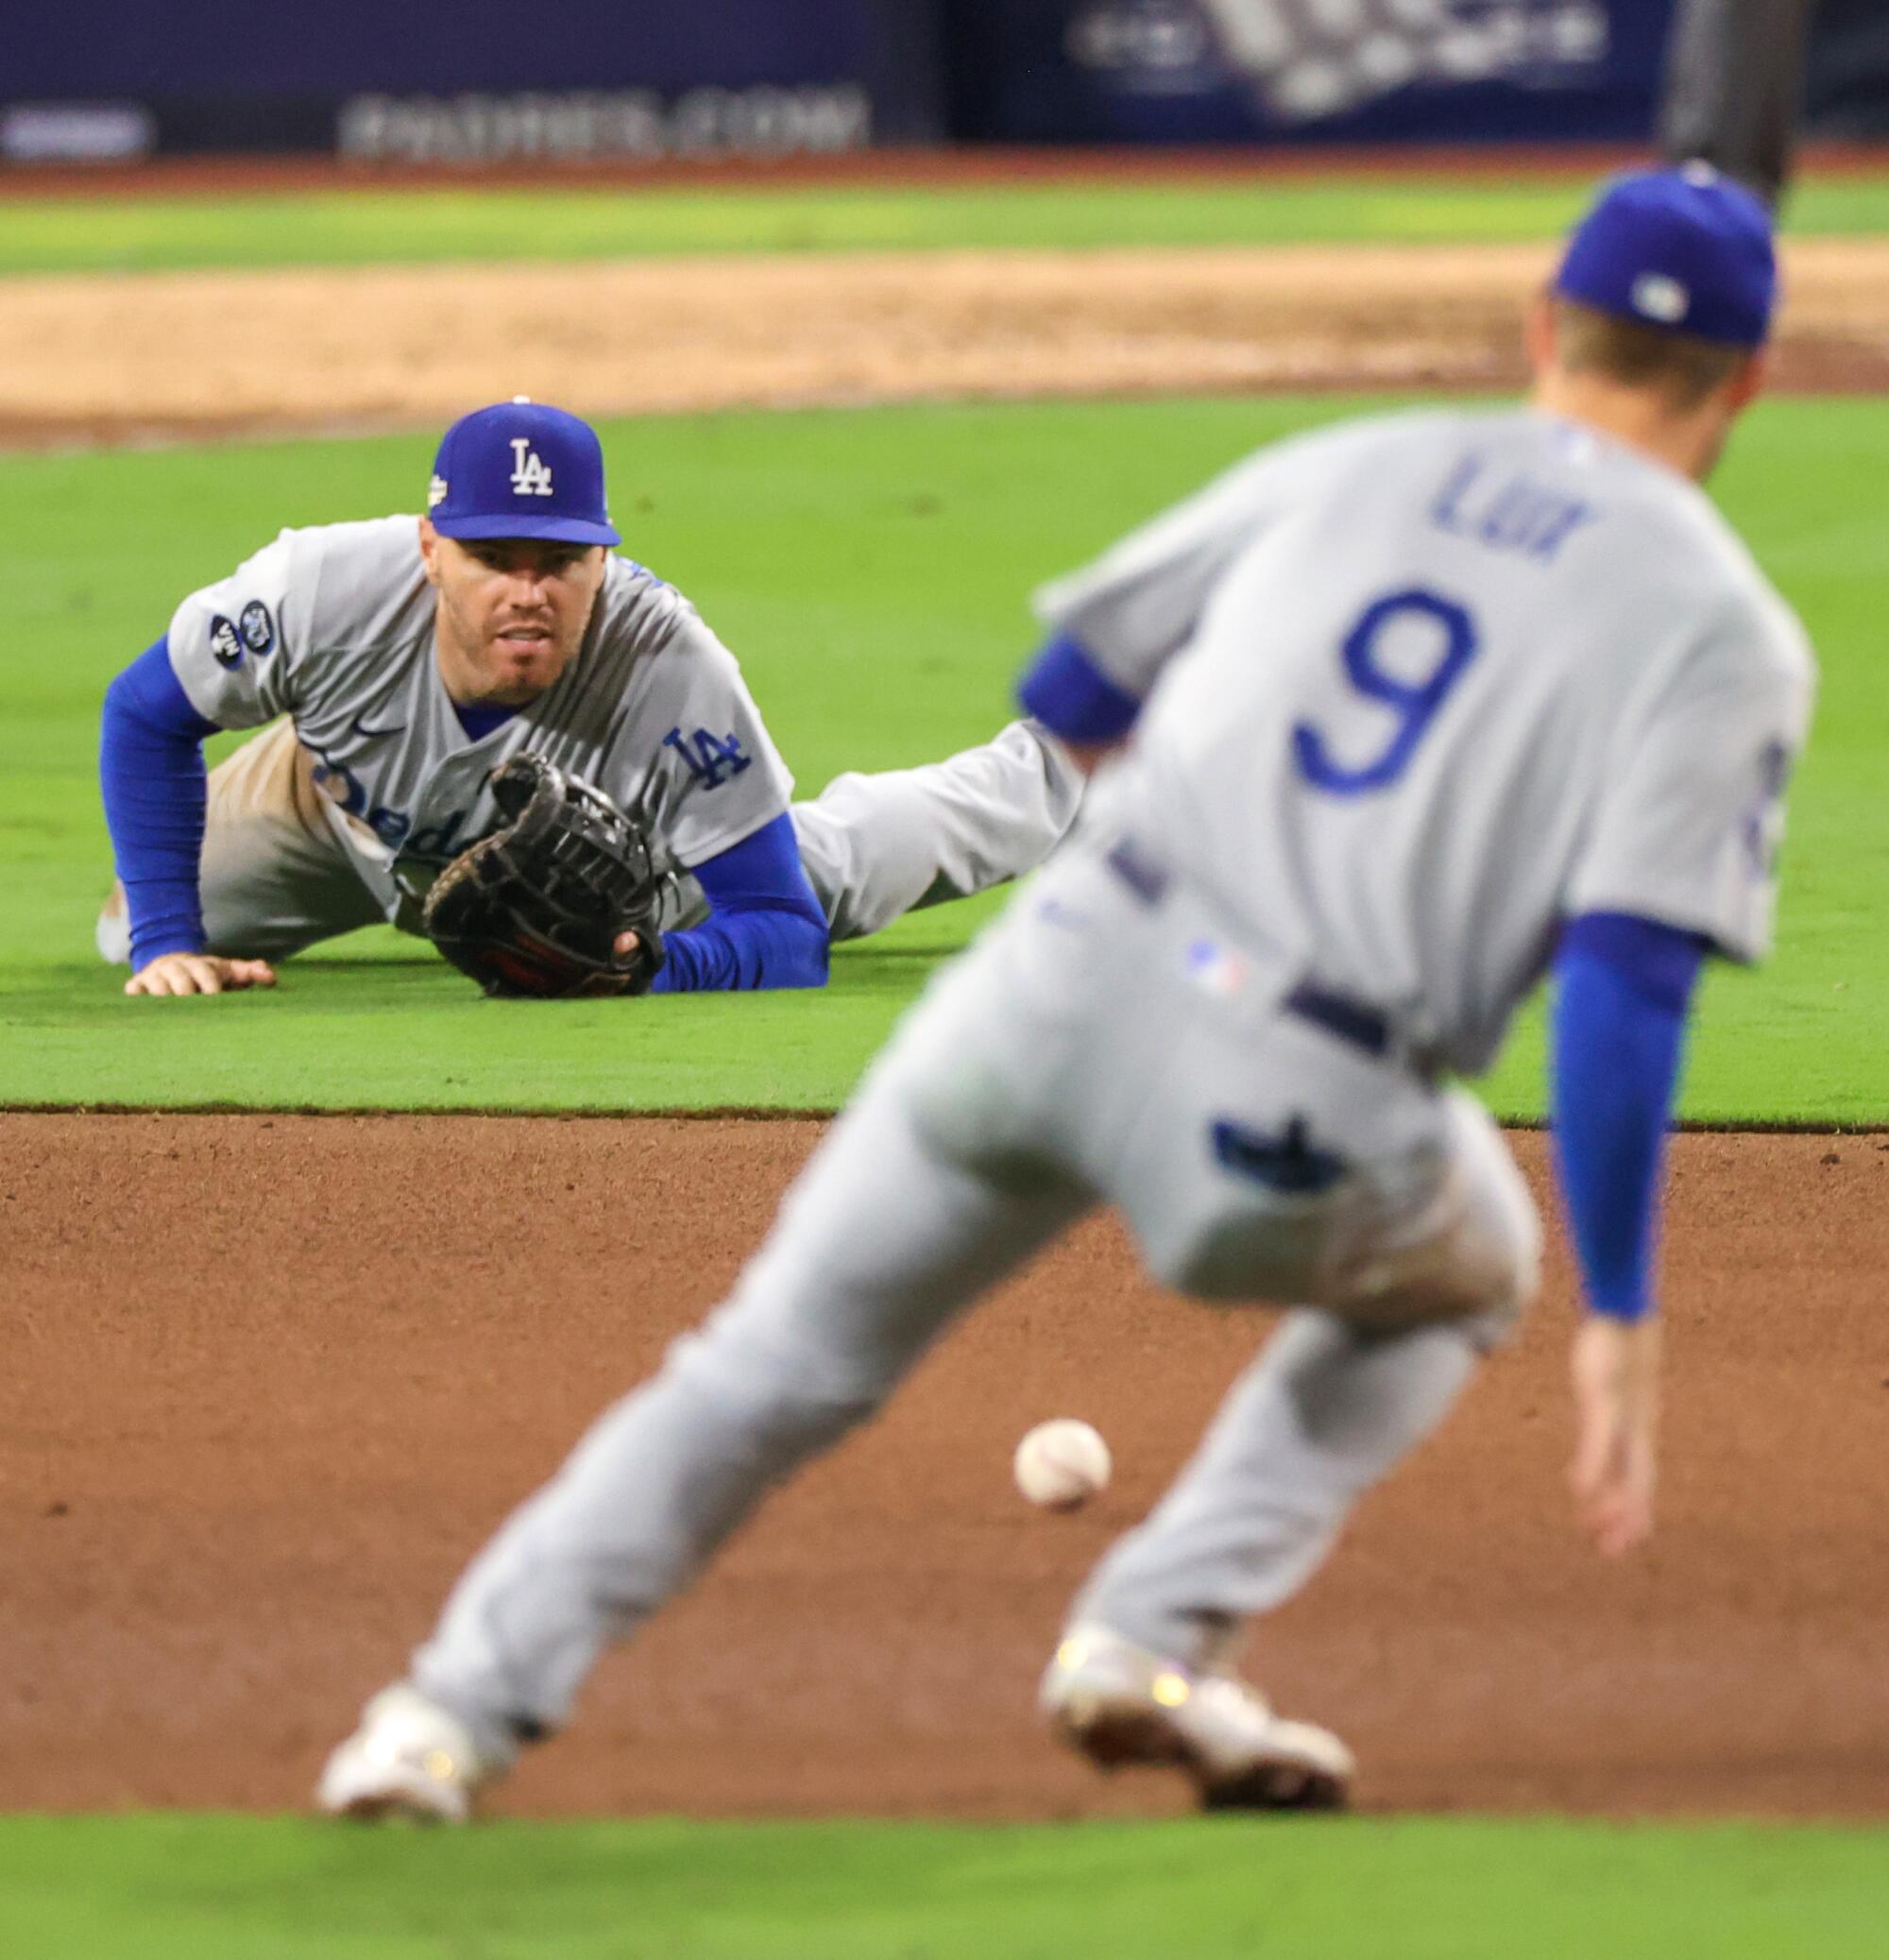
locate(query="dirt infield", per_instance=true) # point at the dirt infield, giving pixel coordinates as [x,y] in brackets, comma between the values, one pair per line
[102,359]
[268,1382]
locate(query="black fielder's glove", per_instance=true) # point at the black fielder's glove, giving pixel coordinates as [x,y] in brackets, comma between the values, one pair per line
[537,908]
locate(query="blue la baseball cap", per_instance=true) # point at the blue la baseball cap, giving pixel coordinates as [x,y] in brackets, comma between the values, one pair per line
[1687,250]
[520,470]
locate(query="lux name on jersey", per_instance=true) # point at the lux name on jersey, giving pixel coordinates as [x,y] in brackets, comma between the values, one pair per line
[710,761]
[1509,512]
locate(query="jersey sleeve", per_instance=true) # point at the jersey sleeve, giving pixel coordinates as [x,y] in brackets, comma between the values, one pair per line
[1688,830]
[1137,605]
[718,777]
[234,644]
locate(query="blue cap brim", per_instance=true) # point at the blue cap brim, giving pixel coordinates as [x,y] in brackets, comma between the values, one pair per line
[556,530]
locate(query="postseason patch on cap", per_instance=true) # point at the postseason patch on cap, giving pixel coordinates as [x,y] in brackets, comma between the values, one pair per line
[1656,296]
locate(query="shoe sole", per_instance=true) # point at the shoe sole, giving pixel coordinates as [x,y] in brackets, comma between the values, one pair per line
[390,1810]
[1122,1738]
[379,1804]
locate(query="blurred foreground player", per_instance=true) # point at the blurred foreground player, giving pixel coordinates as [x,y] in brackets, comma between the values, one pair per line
[1417,706]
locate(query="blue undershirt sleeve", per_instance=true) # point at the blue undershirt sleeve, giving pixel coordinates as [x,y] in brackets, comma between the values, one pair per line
[765,927]
[151,773]
[1072,697]
[1621,988]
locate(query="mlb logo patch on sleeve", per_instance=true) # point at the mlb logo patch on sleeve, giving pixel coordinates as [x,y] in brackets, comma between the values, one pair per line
[226,643]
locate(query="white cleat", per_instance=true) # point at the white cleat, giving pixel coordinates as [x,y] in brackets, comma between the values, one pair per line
[1119,1703]
[111,935]
[408,1759]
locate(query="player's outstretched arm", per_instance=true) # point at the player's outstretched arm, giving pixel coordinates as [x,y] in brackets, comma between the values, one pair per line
[1623,985]
[152,776]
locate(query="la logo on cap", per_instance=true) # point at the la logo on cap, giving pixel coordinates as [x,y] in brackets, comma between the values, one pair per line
[531,473]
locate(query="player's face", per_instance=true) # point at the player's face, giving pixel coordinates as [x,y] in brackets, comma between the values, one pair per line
[512,611]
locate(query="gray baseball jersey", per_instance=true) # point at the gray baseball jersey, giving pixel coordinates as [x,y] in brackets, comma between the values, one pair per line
[1430,685]
[334,627]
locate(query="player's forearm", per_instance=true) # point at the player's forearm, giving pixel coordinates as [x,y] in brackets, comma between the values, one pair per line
[765,928]
[744,952]
[152,776]
[1622,989]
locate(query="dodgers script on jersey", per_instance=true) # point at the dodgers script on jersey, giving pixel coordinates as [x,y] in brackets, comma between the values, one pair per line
[334,627]
[1439,682]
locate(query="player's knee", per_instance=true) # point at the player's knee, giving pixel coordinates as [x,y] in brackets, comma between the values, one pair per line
[1500,1242]
[1509,1265]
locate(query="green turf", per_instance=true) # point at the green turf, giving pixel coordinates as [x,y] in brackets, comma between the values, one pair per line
[870,568]
[212,1888]
[393,225]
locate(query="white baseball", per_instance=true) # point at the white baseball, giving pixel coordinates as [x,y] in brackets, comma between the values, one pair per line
[1062,1464]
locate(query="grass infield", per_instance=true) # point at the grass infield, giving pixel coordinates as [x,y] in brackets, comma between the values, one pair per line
[379,224]
[871,570]
[192,1887]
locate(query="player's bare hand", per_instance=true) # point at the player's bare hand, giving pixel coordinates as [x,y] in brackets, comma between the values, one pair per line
[628,943]
[1616,1378]
[174,975]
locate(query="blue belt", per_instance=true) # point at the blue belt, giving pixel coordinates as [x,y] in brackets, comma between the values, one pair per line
[1339,1014]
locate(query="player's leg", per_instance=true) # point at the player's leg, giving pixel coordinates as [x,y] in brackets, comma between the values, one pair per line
[887,1234]
[273,877]
[1337,1397]
[877,846]
[1333,1401]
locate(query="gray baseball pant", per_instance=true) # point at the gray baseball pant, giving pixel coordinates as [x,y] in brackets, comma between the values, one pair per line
[1069,1058]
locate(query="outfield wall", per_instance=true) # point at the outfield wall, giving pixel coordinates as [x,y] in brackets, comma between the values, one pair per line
[1308,70]
[644,82]
[573,80]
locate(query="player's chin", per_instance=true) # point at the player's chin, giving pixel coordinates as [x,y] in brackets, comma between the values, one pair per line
[521,668]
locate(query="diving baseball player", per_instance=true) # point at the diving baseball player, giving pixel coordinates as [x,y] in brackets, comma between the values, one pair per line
[411,656]
[1414,709]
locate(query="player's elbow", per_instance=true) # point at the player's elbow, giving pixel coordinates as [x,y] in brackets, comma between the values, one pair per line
[124,702]
[146,700]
